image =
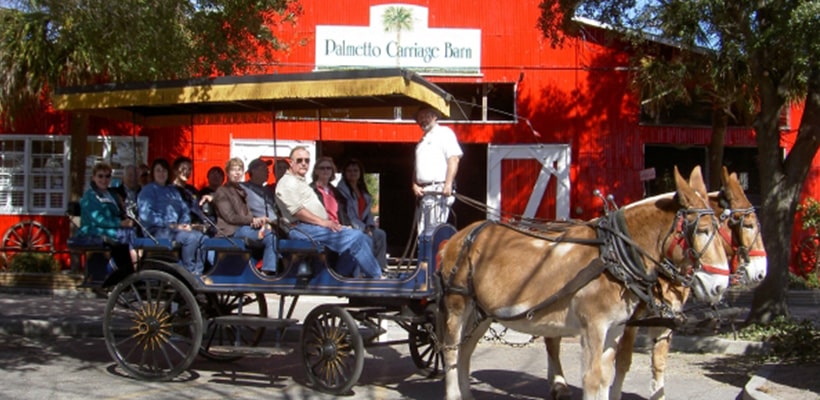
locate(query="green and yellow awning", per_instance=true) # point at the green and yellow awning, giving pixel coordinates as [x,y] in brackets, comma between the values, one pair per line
[260,93]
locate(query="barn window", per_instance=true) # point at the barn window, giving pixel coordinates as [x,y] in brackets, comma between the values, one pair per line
[481,102]
[34,169]
[33,174]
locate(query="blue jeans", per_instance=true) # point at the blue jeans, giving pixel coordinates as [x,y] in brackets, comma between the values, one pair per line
[191,242]
[349,243]
[269,240]
[379,242]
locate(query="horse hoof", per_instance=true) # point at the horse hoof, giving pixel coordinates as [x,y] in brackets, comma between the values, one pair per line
[561,391]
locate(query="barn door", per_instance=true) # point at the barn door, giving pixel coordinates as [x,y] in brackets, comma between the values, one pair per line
[528,181]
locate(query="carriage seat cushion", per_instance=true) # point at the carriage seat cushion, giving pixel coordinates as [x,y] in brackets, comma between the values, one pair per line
[160,244]
[233,244]
[299,246]
[87,242]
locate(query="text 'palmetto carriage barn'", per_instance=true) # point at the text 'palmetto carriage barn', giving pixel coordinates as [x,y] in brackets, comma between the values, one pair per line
[541,127]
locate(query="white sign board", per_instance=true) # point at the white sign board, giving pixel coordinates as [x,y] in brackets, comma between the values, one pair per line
[398,36]
[647,174]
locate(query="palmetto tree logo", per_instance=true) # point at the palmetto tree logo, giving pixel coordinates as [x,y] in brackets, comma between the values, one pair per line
[397,19]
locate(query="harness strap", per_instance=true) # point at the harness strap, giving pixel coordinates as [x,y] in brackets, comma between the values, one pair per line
[594,269]
[624,261]
[449,286]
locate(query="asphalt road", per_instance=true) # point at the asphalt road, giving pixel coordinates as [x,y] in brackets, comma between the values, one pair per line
[80,368]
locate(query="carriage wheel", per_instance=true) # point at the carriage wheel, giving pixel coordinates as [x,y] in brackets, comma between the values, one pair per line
[807,254]
[332,349]
[423,350]
[152,325]
[27,236]
[226,335]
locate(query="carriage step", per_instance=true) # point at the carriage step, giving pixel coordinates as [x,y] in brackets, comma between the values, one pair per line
[233,351]
[253,321]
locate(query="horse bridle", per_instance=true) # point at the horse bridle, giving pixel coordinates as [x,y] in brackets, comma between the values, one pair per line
[741,253]
[681,234]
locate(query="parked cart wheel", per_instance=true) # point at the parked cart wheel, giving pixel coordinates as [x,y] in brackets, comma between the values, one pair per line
[424,351]
[152,325]
[222,304]
[332,349]
[27,236]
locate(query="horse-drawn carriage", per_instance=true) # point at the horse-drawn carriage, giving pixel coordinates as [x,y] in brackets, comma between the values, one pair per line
[160,317]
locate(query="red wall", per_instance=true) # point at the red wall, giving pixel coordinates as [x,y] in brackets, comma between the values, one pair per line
[578,94]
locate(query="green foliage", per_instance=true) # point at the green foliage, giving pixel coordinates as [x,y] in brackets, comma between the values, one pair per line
[53,43]
[810,214]
[34,262]
[790,341]
[809,282]
[372,183]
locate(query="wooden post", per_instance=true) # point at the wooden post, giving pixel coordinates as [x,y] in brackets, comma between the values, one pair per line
[79,126]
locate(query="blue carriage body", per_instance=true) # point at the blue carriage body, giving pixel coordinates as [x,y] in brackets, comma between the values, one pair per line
[307,268]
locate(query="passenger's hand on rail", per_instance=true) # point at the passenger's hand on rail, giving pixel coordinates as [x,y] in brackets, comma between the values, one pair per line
[206,199]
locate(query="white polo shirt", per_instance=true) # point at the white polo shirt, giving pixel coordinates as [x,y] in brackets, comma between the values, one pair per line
[432,152]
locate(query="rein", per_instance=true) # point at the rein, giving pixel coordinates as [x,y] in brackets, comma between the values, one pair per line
[624,259]
[620,255]
[741,254]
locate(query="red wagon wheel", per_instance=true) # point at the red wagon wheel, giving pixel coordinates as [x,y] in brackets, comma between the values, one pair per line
[807,254]
[27,236]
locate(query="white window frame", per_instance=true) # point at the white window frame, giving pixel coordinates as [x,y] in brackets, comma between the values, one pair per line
[54,171]
[249,149]
[555,163]
[118,152]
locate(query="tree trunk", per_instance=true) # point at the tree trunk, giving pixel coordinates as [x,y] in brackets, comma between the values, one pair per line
[79,146]
[781,184]
[720,120]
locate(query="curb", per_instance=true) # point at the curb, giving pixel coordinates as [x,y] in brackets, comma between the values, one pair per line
[697,344]
[758,380]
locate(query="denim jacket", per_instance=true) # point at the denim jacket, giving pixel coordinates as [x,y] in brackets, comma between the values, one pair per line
[161,206]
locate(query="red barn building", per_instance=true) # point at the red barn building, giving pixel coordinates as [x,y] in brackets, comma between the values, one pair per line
[541,127]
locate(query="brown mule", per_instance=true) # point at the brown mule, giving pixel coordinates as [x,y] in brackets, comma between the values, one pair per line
[492,271]
[742,241]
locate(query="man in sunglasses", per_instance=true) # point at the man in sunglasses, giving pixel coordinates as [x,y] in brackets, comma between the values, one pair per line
[308,218]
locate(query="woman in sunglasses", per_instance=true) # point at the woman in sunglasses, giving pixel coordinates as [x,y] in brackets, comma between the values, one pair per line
[101,212]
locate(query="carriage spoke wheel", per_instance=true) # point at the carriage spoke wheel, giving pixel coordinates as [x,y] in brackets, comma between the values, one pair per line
[423,350]
[27,236]
[252,304]
[332,349]
[152,325]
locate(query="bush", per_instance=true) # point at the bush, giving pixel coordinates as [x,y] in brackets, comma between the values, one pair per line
[809,282]
[34,262]
[810,214]
[790,341]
